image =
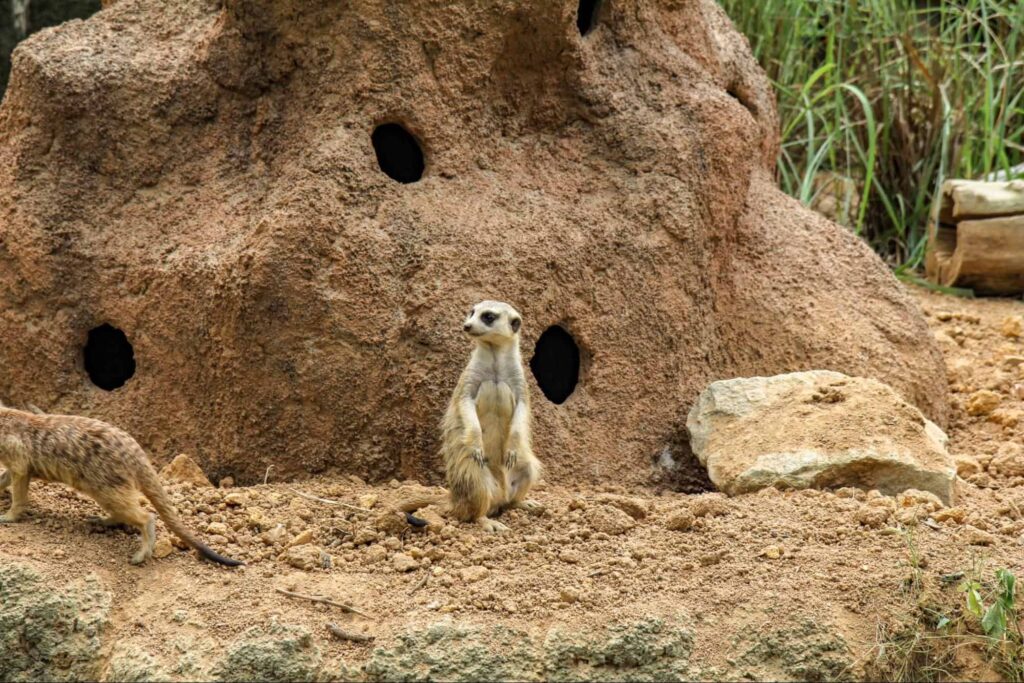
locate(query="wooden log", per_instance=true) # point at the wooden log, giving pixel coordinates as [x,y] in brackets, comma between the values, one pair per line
[962,199]
[1003,175]
[986,255]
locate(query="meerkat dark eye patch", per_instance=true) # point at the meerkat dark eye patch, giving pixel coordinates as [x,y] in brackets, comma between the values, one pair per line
[488,318]
[516,324]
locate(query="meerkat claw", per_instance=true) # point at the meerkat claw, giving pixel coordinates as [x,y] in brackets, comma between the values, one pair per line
[530,506]
[510,459]
[478,457]
[492,525]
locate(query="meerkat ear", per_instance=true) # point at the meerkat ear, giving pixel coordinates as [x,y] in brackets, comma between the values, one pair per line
[516,324]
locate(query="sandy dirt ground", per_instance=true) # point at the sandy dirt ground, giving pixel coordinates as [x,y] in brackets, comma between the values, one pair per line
[594,555]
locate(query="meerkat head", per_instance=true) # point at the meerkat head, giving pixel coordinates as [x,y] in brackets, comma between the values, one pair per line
[493,321]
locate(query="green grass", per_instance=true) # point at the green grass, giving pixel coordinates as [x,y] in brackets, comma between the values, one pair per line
[943,620]
[896,95]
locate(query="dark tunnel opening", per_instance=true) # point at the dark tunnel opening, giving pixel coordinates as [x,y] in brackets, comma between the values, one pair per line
[556,364]
[109,357]
[398,153]
[586,15]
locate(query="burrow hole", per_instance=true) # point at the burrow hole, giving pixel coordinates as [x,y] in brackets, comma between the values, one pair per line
[398,152]
[742,95]
[109,357]
[586,15]
[556,364]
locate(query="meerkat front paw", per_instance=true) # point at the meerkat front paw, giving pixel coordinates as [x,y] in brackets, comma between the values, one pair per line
[492,525]
[9,518]
[510,459]
[530,506]
[478,457]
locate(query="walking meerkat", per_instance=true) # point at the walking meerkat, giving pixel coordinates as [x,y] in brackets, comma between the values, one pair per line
[95,458]
[485,444]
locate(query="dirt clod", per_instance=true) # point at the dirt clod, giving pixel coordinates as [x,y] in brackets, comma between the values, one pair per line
[680,520]
[184,469]
[983,402]
[404,563]
[307,557]
[610,520]
[474,574]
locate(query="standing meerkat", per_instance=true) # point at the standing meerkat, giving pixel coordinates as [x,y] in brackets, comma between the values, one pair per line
[485,443]
[95,458]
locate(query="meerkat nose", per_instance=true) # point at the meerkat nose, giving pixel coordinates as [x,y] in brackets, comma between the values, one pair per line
[467,327]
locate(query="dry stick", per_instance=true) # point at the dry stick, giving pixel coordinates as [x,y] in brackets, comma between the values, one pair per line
[419,584]
[337,632]
[326,601]
[266,475]
[328,501]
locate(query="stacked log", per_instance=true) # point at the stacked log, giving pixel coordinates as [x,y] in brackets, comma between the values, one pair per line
[976,240]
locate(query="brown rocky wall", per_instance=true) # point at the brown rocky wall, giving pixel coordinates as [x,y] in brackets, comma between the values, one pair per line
[201,176]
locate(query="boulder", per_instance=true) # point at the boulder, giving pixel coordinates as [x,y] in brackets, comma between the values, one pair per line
[278,652]
[50,630]
[226,234]
[651,649]
[128,664]
[817,429]
[21,18]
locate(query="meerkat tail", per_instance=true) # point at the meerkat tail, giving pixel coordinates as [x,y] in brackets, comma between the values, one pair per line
[154,491]
[413,504]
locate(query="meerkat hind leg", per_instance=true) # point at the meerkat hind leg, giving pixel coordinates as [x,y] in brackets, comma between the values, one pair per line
[19,497]
[123,508]
[520,481]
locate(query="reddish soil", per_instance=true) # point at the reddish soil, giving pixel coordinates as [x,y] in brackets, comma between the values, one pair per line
[743,565]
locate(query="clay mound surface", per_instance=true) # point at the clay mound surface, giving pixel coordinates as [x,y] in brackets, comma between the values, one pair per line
[202,179]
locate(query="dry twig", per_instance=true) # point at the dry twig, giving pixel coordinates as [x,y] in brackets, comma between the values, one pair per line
[342,634]
[326,601]
[419,584]
[327,501]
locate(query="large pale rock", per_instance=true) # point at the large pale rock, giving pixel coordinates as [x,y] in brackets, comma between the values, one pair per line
[817,429]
